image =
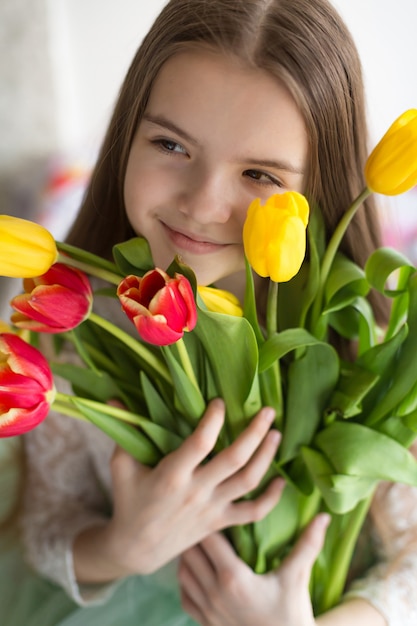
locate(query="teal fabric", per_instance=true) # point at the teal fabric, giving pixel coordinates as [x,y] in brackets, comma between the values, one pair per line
[28,600]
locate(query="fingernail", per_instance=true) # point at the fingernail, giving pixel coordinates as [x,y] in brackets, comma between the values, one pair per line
[324,520]
[268,414]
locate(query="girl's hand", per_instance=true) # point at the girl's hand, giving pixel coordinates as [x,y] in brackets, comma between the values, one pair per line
[218,589]
[160,512]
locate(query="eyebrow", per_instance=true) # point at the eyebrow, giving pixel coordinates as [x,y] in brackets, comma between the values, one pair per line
[281,165]
[284,166]
[159,120]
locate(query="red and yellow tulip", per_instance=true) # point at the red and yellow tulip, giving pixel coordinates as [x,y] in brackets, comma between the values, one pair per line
[274,235]
[26,386]
[160,307]
[55,302]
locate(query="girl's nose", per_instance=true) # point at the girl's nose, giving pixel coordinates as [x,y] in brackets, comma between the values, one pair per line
[208,198]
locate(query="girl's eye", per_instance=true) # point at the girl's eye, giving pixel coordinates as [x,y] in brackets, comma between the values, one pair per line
[168,145]
[262,178]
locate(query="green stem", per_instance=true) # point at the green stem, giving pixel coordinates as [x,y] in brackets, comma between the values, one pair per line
[186,362]
[136,346]
[273,375]
[63,404]
[272,309]
[342,557]
[90,269]
[331,251]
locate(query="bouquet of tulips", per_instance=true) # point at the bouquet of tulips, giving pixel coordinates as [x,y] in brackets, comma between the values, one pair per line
[342,421]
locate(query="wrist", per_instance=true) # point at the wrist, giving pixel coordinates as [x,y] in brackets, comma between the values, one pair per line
[95,556]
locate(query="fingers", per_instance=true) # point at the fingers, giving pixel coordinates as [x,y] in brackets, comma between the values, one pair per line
[219,552]
[247,511]
[236,456]
[249,477]
[124,467]
[299,563]
[195,567]
[202,441]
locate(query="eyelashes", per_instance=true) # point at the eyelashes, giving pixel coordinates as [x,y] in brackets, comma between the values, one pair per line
[262,178]
[171,147]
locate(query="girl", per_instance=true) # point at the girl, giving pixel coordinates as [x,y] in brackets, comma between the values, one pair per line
[225,101]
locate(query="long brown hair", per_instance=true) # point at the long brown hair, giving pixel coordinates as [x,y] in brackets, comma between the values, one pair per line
[302,42]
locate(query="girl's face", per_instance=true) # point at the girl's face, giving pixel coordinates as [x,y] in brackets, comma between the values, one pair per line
[214,136]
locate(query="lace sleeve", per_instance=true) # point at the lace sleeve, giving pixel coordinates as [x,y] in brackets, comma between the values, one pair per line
[391,585]
[67,490]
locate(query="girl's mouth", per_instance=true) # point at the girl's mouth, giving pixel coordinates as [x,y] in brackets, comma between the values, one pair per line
[191,243]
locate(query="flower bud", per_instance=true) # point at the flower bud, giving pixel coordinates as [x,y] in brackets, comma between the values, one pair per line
[26,249]
[160,307]
[26,386]
[274,235]
[55,302]
[391,167]
[220,301]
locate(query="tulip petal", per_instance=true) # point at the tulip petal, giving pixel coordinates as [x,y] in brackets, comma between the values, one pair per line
[170,304]
[186,291]
[24,359]
[286,255]
[18,421]
[17,391]
[53,306]
[155,330]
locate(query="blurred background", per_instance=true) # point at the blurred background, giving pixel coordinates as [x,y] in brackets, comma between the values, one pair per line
[61,65]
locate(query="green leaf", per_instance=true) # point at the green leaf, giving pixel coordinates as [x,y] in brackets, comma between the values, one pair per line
[340,492]
[381,265]
[88,383]
[355,450]
[189,397]
[345,283]
[353,385]
[125,435]
[231,348]
[133,256]
[402,428]
[311,380]
[402,377]
[380,358]
[276,532]
[283,343]
[178,267]
[159,412]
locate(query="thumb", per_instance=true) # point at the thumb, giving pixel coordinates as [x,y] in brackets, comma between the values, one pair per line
[299,563]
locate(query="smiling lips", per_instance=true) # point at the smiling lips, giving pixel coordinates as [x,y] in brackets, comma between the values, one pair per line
[191,243]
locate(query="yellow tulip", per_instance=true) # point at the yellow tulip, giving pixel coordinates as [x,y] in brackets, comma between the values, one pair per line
[27,249]
[220,301]
[391,168]
[274,235]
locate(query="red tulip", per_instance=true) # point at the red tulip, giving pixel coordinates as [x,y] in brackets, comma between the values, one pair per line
[55,302]
[160,307]
[26,386]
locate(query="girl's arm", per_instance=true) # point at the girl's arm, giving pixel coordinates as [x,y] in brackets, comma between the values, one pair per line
[63,495]
[159,513]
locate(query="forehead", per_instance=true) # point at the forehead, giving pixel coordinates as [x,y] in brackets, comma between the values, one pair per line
[216,97]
